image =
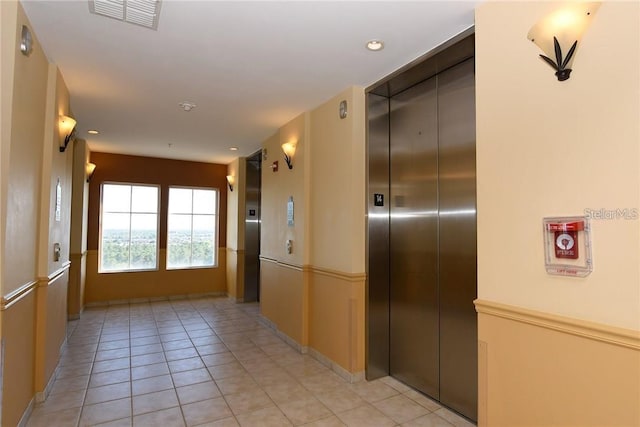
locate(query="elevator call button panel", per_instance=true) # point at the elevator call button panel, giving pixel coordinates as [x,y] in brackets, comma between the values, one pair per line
[290,211]
[567,246]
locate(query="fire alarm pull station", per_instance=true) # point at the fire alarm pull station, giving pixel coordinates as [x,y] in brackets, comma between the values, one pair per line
[567,246]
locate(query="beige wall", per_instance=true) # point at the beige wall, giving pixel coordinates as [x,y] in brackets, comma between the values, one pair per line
[235,205]
[336,318]
[51,328]
[316,294]
[56,167]
[283,286]
[277,187]
[53,277]
[19,358]
[79,225]
[8,37]
[538,369]
[22,143]
[337,230]
[549,148]
[103,287]
[77,281]
[338,184]
[235,229]
[26,153]
[235,274]
[283,295]
[33,285]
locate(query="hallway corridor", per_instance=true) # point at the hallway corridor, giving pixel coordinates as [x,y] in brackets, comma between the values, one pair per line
[210,362]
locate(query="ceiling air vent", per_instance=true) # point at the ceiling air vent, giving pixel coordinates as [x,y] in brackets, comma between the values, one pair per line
[140,12]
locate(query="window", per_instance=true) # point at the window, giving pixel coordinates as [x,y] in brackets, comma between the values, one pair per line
[128,228]
[192,239]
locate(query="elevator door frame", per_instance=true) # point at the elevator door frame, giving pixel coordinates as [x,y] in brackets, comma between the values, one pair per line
[456,51]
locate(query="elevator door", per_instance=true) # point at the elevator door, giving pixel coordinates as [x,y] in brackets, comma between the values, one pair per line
[252,228]
[457,238]
[432,238]
[413,238]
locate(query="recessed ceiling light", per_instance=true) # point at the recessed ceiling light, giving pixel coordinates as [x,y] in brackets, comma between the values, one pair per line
[93,132]
[375,45]
[233,148]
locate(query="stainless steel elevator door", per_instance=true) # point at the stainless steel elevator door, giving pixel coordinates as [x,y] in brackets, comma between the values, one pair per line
[432,238]
[252,228]
[378,238]
[457,243]
[413,238]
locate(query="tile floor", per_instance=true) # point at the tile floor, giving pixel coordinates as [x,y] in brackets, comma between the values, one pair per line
[210,362]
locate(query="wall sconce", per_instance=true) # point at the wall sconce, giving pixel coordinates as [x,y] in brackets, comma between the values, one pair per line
[560,32]
[67,126]
[90,168]
[231,180]
[289,149]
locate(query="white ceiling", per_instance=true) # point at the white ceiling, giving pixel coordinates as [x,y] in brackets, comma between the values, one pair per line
[250,67]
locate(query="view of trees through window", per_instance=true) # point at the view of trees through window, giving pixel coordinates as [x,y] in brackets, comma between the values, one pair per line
[191,230]
[129,227]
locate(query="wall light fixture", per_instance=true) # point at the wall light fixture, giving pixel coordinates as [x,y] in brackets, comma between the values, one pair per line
[90,168]
[67,126]
[559,32]
[231,180]
[289,149]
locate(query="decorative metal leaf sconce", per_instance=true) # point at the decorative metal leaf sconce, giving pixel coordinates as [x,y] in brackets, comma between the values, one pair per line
[561,29]
[562,72]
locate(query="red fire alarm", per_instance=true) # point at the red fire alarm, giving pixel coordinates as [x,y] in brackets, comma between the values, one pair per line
[274,166]
[565,236]
[568,246]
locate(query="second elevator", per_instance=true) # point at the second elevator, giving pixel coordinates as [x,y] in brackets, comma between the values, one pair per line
[422,229]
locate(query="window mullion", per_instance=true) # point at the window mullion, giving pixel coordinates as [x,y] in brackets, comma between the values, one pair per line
[130,220]
[191,252]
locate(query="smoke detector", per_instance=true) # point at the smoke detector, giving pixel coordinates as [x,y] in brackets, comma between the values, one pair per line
[187,106]
[139,12]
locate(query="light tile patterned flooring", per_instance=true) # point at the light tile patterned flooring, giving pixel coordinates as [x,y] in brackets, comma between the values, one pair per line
[210,362]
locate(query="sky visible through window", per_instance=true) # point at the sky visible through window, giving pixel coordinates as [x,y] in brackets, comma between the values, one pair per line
[118,199]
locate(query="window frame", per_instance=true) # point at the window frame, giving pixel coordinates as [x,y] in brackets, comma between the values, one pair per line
[158,209]
[216,239]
